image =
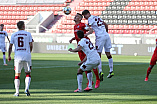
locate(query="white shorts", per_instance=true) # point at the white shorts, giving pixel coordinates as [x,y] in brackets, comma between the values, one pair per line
[91,63]
[105,42]
[2,47]
[18,65]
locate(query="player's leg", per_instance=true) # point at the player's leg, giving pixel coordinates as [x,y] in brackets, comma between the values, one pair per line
[97,78]
[17,83]
[99,47]
[17,68]
[100,65]
[148,72]
[27,66]
[101,74]
[95,70]
[4,58]
[107,47]
[79,80]
[91,64]
[152,63]
[89,77]
[110,60]
[82,55]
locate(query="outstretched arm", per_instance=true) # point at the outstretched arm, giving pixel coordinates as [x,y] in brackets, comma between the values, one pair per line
[90,31]
[76,49]
[70,41]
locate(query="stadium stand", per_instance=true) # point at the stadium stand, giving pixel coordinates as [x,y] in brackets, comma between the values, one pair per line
[122,16]
[11,14]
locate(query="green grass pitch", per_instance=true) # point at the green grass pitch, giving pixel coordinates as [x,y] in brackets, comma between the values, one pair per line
[54,80]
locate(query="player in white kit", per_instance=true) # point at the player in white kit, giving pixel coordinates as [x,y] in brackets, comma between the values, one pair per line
[22,41]
[102,39]
[92,60]
[3,34]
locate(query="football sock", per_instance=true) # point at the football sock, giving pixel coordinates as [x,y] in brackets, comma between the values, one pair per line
[86,74]
[90,76]
[4,59]
[79,80]
[100,67]
[96,73]
[110,64]
[17,83]
[148,72]
[27,81]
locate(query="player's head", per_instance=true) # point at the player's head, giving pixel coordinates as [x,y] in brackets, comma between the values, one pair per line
[86,14]
[1,27]
[80,34]
[21,25]
[78,17]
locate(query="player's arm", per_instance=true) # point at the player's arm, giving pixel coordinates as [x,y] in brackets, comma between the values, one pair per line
[106,26]
[80,63]
[7,36]
[70,41]
[8,39]
[31,46]
[90,31]
[76,49]
[9,52]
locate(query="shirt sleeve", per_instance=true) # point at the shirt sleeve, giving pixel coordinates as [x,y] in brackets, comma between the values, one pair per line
[90,21]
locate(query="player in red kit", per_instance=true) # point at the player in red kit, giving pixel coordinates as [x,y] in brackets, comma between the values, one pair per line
[82,26]
[152,62]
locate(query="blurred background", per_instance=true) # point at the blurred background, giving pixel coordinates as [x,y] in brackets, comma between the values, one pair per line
[132,23]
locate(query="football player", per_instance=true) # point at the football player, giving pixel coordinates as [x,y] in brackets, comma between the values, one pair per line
[82,26]
[3,34]
[152,62]
[91,61]
[102,38]
[22,41]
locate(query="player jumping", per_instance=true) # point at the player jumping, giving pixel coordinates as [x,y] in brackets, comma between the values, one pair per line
[102,38]
[82,26]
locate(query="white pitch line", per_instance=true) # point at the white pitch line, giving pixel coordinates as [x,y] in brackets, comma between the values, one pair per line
[72,66]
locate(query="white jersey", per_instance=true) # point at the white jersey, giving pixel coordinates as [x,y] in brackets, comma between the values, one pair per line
[21,40]
[3,34]
[97,24]
[87,47]
[93,58]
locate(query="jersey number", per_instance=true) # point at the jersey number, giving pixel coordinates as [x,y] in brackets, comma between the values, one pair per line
[99,22]
[90,45]
[20,42]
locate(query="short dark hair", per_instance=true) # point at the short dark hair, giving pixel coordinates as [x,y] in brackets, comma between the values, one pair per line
[80,15]
[20,24]
[1,24]
[80,34]
[85,12]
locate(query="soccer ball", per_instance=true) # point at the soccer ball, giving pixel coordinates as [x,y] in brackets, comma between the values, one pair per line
[67,10]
